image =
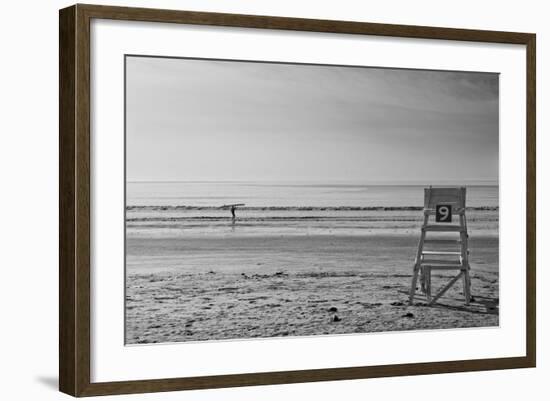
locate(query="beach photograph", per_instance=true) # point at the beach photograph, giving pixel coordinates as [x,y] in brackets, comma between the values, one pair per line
[267,199]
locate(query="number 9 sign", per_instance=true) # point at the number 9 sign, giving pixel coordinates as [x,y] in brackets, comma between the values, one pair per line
[443,213]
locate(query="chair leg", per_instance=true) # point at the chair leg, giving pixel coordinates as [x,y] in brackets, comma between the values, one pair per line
[428,278]
[467,294]
[418,260]
[413,284]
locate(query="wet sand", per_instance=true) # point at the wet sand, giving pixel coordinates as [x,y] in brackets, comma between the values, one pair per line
[204,287]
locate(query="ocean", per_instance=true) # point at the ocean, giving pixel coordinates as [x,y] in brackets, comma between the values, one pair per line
[291,194]
[180,209]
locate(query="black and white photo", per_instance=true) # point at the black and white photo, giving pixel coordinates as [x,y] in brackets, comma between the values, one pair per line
[276,199]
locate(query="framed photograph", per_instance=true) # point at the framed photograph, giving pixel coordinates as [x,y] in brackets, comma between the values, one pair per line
[250,200]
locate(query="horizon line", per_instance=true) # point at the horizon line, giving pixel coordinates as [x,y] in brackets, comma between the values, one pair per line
[356,182]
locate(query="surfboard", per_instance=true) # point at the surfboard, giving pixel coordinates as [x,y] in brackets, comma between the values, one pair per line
[232,204]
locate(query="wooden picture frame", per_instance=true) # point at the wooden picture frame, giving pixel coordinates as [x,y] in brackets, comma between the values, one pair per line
[74,200]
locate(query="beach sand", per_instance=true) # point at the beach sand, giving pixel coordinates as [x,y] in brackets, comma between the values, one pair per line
[204,287]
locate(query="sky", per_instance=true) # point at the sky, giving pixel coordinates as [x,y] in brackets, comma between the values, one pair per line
[213,120]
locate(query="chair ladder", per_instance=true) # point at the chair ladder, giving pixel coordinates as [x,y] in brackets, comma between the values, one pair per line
[424,262]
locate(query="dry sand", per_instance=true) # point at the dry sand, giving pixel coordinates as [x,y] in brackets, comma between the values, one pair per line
[230,287]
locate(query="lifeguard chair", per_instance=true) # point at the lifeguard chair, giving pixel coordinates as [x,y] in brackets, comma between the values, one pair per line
[442,204]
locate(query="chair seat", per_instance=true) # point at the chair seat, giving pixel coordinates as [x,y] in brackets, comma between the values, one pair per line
[443,228]
[442,241]
[433,266]
[441,253]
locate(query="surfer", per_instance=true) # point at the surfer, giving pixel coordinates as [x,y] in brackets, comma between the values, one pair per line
[232,207]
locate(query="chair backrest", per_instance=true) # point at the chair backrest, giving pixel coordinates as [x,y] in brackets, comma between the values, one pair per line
[455,196]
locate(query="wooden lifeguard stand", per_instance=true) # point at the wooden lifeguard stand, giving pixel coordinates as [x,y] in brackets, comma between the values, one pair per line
[443,253]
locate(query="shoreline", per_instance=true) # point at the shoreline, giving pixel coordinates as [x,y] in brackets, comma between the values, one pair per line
[299,208]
